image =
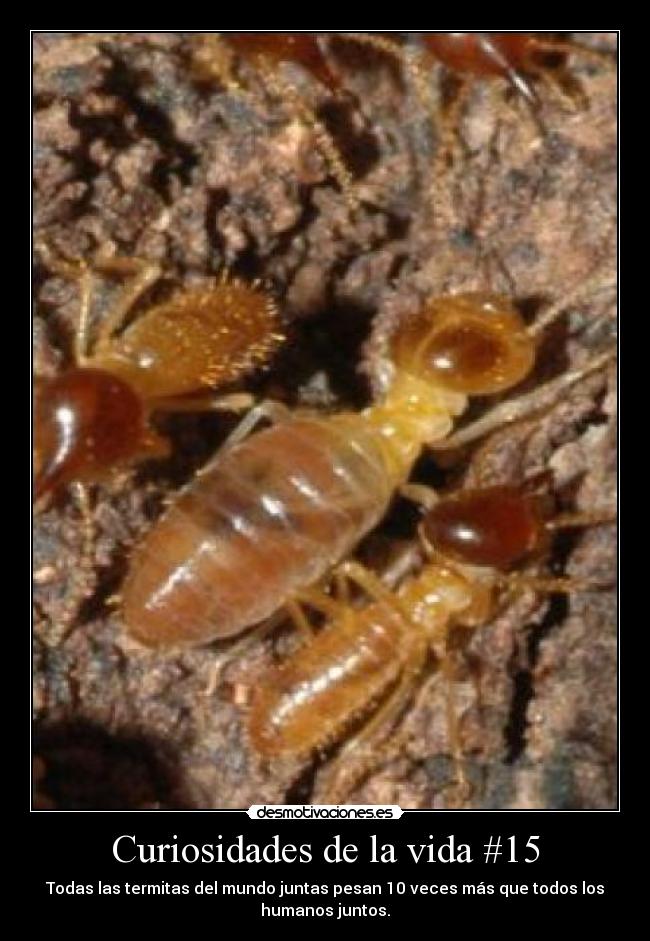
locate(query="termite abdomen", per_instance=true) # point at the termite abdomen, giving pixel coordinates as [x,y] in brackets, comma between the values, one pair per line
[307,701]
[268,516]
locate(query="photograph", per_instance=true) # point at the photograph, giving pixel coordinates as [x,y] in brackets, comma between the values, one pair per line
[324,420]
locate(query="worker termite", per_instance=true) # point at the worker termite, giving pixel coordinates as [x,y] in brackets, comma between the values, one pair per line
[272,513]
[216,57]
[94,418]
[372,657]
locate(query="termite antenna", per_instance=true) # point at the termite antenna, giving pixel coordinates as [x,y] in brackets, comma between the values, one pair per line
[594,283]
[579,520]
[284,90]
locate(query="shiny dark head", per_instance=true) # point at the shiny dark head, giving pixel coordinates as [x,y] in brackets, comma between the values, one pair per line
[87,422]
[494,526]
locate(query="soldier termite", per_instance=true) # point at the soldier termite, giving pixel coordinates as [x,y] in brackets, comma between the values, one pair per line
[94,418]
[372,657]
[272,513]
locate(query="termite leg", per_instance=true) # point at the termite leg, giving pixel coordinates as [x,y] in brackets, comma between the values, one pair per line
[453,732]
[594,283]
[420,494]
[317,599]
[373,586]
[233,402]
[74,270]
[83,577]
[143,274]
[585,518]
[601,56]
[342,585]
[236,650]
[273,411]
[548,586]
[292,608]
[526,405]
[566,88]
[299,618]
[362,753]
[285,91]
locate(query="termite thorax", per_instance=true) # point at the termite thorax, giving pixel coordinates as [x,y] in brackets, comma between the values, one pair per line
[412,414]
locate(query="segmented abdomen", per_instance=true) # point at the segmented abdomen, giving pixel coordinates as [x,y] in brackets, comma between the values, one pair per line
[308,700]
[267,517]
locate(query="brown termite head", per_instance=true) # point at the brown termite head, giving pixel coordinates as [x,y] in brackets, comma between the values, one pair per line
[494,527]
[302,49]
[214,56]
[87,422]
[518,57]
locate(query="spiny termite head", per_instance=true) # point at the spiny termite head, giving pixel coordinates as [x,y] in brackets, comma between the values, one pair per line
[199,339]
[475,344]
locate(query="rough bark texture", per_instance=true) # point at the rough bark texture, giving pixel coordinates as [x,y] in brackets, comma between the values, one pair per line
[130,150]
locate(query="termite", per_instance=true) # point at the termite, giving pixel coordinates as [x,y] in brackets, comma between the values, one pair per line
[94,418]
[273,512]
[376,654]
